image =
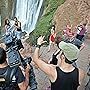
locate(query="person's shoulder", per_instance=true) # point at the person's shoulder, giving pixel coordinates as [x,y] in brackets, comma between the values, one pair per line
[4,67]
[6,26]
[52,67]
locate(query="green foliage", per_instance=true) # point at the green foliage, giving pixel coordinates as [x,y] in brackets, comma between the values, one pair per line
[45,22]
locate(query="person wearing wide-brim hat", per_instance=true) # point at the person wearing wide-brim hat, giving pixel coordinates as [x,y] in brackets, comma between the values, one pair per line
[64,76]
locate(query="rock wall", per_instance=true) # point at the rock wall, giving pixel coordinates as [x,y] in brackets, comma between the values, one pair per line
[72,12]
[6,7]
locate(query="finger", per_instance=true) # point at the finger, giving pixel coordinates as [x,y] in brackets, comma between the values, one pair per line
[44,41]
[42,37]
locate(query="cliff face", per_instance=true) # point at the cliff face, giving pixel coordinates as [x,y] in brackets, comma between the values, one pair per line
[6,7]
[72,12]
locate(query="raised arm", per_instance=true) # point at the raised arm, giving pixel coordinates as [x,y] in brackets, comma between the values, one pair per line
[47,68]
[81,76]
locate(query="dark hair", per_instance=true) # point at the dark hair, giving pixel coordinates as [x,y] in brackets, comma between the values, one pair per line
[2,55]
[53,27]
[6,22]
[84,24]
[15,18]
[58,39]
[69,62]
[16,23]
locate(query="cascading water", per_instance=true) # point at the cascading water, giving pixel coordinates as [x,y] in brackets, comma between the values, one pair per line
[0,20]
[27,11]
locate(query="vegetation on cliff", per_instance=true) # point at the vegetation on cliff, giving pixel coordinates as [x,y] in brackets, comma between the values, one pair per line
[44,23]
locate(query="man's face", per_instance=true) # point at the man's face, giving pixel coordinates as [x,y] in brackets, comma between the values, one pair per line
[68,26]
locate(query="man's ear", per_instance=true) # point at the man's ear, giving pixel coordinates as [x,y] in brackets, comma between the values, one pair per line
[62,56]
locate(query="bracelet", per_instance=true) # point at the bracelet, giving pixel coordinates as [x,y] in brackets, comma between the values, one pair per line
[38,46]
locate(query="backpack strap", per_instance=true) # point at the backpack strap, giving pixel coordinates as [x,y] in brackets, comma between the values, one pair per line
[10,73]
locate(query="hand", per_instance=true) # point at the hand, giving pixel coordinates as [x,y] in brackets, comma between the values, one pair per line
[40,40]
[27,69]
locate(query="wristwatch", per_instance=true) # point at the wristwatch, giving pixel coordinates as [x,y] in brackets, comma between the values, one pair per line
[38,46]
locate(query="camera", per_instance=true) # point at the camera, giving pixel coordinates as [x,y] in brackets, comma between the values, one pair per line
[54,60]
[11,40]
[13,45]
[25,61]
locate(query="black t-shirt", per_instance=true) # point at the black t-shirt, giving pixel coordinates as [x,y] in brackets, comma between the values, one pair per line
[18,77]
[66,80]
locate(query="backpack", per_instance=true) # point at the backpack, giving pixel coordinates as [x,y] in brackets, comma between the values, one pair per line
[6,82]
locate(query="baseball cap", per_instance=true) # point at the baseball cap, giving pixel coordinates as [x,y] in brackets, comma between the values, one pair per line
[70,51]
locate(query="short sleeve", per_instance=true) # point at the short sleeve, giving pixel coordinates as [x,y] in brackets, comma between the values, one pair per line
[20,76]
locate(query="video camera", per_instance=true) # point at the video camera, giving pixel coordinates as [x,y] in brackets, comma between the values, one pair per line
[15,58]
[54,60]
[13,45]
[25,61]
[10,40]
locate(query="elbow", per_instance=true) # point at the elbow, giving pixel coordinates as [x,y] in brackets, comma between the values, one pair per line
[35,56]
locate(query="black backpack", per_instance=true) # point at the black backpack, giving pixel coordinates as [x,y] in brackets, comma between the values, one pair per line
[6,82]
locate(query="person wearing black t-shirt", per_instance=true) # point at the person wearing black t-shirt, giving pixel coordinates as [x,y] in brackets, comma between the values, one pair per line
[18,76]
[63,76]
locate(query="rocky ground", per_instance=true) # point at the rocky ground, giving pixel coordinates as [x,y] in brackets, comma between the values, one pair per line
[41,78]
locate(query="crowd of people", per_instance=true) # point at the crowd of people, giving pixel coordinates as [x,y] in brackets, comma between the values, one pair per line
[63,75]
[16,72]
[62,70]
[75,37]
[14,29]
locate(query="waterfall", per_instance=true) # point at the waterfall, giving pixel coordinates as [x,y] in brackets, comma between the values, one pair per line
[0,21]
[27,11]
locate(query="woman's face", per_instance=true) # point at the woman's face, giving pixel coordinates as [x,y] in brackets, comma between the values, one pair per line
[52,31]
[68,26]
[7,21]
